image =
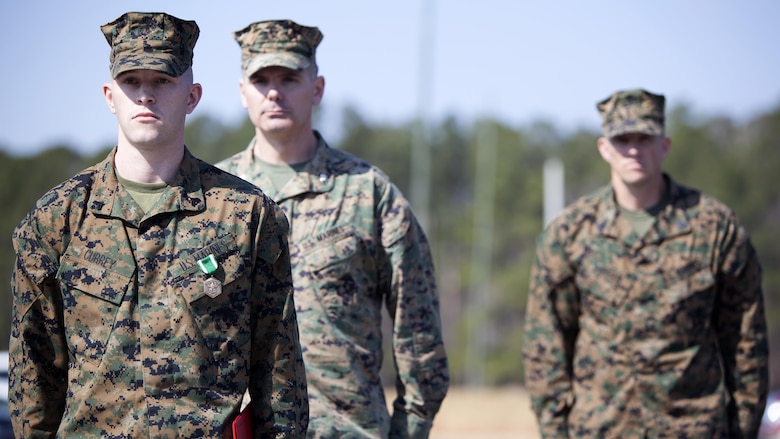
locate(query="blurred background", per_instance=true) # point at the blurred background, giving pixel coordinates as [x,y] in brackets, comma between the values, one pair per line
[464,104]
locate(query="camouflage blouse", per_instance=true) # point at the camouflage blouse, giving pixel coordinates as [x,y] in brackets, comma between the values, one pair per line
[114,333]
[661,335]
[356,245]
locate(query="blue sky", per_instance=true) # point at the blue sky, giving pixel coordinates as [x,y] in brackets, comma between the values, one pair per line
[514,60]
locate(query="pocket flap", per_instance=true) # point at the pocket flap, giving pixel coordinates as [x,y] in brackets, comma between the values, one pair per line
[92,279]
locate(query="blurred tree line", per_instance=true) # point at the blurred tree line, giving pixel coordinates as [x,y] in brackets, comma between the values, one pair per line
[483,311]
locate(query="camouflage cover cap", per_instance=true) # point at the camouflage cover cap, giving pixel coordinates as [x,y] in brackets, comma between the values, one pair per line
[150,41]
[632,111]
[277,43]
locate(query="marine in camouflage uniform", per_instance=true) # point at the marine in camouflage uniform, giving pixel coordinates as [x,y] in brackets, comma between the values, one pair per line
[355,245]
[114,332]
[645,332]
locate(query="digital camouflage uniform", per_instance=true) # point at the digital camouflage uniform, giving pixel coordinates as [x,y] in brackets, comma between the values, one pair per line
[114,334]
[654,336]
[355,244]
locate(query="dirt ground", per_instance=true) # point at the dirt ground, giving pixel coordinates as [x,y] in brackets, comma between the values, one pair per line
[485,414]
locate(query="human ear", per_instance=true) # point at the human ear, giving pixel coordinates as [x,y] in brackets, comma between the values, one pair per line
[108,95]
[319,90]
[604,148]
[196,92]
[667,145]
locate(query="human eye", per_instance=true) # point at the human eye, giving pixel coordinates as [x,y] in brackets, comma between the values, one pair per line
[161,78]
[619,140]
[644,139]
[258,80]
[292,77]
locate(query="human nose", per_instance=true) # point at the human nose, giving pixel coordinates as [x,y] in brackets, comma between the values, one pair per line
[632,148]
[273,94]
[145,94]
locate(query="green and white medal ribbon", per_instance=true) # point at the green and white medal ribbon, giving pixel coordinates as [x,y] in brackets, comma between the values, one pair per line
[211,286]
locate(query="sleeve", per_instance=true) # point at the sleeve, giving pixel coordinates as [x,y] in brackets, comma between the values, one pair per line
[551,329]
[742,333]
[422,378]
[38,356]
[277,379]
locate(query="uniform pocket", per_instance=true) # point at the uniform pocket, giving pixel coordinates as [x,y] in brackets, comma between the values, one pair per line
[686,283]
[226,316]
[230,267]
[338,272]
[91,296]
[331,270]
[601,290]
[684,308]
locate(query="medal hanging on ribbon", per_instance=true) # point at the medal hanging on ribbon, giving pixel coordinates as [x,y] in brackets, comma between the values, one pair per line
[212,287]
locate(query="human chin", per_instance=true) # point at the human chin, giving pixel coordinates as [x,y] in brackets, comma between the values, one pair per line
[276,124]
[145,136]
[634,176]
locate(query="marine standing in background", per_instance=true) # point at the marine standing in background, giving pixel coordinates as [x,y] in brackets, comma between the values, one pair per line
[153,289]
[355,245]
[645,316]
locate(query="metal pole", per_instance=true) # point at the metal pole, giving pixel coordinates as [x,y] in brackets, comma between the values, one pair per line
[420,184]
[482,253]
